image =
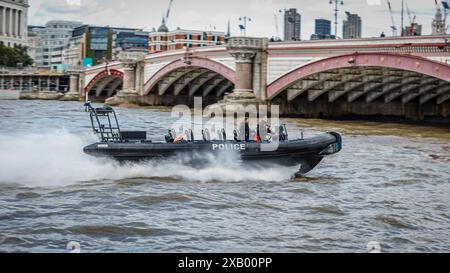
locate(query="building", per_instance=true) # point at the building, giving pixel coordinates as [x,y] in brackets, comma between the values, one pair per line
[34,42]
[91,45]
[323,27]
[438,26]
[126,39]
[322,30]
[413,30]
[352,28]
[13,22]
[51,42]
[292,25]
[165,40]
[73,53]
[130,41]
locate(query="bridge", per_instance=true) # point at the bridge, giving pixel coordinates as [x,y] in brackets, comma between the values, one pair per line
[32,83]
[401,76]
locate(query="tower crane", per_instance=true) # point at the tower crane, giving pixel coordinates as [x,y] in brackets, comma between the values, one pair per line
[408,11]
[393,26]
[277,28]
[446,6]
[167,15]
[412,21]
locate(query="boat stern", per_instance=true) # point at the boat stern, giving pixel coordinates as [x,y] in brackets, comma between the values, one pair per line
[94,149]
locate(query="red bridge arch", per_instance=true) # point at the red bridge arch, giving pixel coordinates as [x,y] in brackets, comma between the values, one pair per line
[104,74]
[192,62]
[395,61]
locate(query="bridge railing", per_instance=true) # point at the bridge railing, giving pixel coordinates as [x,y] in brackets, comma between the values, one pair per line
[39,71]
[30,71]
[4,69]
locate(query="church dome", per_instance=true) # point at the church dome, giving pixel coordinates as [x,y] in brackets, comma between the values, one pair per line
[163,27]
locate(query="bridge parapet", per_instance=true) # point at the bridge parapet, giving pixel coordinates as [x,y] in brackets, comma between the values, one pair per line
[365,43]
[247,43]
[287,56]
[126,56]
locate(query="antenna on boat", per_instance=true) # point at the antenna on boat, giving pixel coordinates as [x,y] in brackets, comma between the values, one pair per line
[87,102]
[87,97]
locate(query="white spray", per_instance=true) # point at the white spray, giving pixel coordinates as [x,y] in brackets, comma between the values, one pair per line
[56,159]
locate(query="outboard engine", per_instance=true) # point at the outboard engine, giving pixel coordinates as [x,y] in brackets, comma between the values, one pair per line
[222,135]
[236,136]
[284,136]
[170,137]
[206,135]
[190,135]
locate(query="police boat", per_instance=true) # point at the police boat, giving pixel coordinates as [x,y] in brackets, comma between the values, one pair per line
[125,146]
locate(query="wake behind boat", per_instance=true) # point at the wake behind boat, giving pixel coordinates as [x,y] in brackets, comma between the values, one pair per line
[134,146]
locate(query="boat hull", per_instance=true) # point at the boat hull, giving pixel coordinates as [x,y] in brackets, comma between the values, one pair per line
[307,153]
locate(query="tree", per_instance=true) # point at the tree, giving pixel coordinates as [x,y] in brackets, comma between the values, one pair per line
[24,58]
[11,57]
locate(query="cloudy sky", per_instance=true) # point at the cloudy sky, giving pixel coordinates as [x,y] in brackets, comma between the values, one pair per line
[207,14]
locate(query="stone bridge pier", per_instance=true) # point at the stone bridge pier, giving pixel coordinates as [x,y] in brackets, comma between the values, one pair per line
[74,87]
[250,55]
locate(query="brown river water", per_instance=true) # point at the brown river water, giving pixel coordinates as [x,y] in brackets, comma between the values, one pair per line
[390,184]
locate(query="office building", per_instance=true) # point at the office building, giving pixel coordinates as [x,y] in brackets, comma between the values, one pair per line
[91,45]
[322,30]
[292,25]
[352,28]
[50,42]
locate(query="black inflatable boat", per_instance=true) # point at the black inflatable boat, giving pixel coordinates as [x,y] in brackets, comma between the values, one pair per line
[134,146]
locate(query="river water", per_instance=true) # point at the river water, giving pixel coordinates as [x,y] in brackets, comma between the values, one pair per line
[390,184]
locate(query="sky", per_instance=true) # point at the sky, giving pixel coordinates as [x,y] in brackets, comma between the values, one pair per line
[214,14]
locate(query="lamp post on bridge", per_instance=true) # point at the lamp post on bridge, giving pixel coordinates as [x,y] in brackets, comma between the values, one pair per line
[336,14]
[243,26]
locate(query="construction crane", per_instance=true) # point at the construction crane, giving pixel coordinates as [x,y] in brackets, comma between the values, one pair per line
[413,27]
[166,17]
[446,6]
[412,16]
[394,25]
[277,28]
